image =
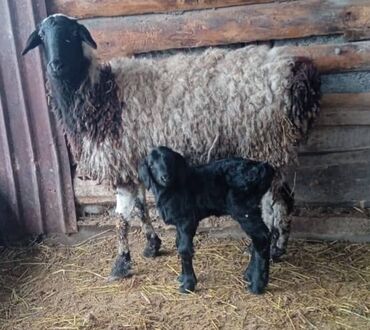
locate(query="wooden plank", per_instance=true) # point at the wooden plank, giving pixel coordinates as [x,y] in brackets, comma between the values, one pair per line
[93,8]
[334,158]
[344,117]
[136,34]
[337,139]
[346,100]
[349,109]
[333,179]
[337,57]
[332,227]
[335,185]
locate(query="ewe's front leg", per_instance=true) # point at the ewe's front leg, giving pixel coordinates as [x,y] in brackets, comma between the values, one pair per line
[153,241]
[184,242]
[257,272]
[126,197]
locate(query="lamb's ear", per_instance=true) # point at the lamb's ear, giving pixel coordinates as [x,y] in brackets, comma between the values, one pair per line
[254,173]
[86,36]
[145,175]
[33,41]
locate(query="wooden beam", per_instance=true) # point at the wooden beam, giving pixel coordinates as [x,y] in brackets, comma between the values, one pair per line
[337,57]
[137,34]
[339,184]
[338,178]
[344,117]
[93,8]
[349,109]
[346,100]
[337,139]
[352,228]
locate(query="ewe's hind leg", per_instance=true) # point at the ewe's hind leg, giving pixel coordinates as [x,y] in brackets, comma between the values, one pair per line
[277,204]
[257,272]
[153,241]
[126,197]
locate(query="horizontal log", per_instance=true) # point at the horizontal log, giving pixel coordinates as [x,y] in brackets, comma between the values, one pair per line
[332,227]
[142,33]
[93,8]
[321,160]
[346,100]
[337,139]
[344,117]
[334,179]
[337,57]
[340,184]
[349,109]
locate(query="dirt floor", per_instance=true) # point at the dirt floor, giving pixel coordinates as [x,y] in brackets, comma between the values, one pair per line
[318,286]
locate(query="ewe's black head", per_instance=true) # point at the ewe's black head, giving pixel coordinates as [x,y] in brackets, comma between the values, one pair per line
[61,39]
[163,166]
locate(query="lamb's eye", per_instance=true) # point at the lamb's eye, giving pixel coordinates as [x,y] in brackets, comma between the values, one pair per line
[67,41]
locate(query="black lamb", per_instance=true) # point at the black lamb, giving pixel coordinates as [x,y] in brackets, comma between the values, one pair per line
[185,195]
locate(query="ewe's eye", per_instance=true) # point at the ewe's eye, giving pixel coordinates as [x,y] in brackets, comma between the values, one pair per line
[67,41]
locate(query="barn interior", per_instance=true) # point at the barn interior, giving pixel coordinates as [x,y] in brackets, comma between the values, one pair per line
[57,279]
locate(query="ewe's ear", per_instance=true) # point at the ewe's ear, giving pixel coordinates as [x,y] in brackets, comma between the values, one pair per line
[86,36]
[33,41]
[144,175]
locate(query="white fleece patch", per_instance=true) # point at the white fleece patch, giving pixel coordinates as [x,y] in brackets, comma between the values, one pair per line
[125,202]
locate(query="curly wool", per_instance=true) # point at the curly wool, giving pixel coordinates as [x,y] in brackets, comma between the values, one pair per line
[254,102]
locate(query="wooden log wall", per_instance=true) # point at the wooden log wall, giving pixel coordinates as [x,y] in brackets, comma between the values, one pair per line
[335,162]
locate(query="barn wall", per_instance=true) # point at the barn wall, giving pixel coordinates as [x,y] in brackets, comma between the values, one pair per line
[36,193]
[334,164]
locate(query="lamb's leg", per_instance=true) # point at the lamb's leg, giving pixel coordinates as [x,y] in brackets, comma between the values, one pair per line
[257,272]
[126,196]
[184,241]
[276,207]
[153,241]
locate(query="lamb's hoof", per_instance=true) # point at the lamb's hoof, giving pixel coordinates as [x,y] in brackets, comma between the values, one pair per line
[258,288]
[180,278]
[121,268]
[152,246]
[187,287]
[188,283]
[248,273]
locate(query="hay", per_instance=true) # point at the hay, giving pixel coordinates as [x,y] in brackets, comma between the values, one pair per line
[319,285]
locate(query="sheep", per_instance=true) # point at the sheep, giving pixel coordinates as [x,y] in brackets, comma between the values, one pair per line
[256,102]
[185,195]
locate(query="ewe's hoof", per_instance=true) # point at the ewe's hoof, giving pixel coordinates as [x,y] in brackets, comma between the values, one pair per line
[276,254]
[121,267]
[152,247]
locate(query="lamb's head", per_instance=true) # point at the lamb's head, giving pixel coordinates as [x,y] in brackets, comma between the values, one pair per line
[62,39]
[163,167]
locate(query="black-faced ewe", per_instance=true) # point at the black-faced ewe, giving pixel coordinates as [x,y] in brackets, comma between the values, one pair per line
[253,102]
[185,195]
